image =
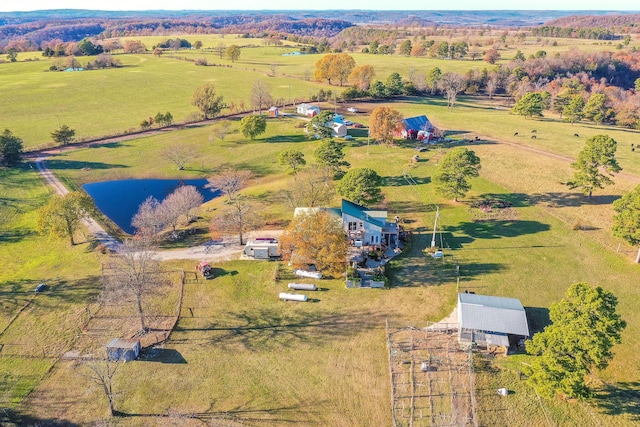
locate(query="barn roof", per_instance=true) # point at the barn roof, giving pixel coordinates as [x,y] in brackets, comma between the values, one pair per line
[418,123]
[492,314]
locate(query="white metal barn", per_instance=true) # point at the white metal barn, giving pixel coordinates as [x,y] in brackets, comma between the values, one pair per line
[489,320]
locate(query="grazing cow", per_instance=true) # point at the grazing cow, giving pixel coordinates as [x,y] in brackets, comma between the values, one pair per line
[515,134]
[534,131]
[533,137]
[478,139]
[576,135]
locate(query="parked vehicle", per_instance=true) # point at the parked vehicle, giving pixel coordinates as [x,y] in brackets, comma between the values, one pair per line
[352,109]
[206,270]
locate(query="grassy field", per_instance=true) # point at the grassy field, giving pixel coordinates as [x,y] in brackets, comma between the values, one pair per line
[238,352]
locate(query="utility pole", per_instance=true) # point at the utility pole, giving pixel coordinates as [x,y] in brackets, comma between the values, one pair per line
[435,224]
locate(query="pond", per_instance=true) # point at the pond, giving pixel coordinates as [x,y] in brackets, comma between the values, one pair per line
[120,200]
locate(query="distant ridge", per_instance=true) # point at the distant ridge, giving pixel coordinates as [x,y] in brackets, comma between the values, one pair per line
[76,24]
[603,21]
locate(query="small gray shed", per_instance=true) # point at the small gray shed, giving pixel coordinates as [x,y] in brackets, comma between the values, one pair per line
[488,320]
[123,350]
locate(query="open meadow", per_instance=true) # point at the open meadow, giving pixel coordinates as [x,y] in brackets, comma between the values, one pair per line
[239,354]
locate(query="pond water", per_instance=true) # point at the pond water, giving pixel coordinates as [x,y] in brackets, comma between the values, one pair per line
[120,200]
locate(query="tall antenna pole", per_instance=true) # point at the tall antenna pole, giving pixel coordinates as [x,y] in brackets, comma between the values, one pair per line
[435,224]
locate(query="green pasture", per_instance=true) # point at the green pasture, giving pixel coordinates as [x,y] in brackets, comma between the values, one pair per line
[114,101]
[234,335]
[239,351]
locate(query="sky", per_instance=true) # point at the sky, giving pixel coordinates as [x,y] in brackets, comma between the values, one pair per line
[29,5]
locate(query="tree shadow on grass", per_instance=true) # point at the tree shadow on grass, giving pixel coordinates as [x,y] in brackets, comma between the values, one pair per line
[249,413]
[285,138]
[11,417]
[559,200]
[622,398]
[115,144]
[405,207]
[260,170]
[399,181]
[538,318]
[496,229]
[516,200]
[57,164]
[16,235]
[269,327]
[70,291]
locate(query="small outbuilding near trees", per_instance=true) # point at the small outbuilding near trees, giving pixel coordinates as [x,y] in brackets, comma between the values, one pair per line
[489,320]
[123,350]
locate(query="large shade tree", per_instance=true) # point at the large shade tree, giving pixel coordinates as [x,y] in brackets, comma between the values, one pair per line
[362,186]
[384,124]
[452,177]
[530,105]
[584,329]
[626,221]
[11,148]
[334,67]
[63,215]
[329,155]
[253,126]
[315,237]
[595,165]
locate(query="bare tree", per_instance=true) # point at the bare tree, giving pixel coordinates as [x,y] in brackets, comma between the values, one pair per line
[313,188]
[238,217]
[170,211]
[102,373]
[132,275]
[220,49]
[260,95]
[178,154]
[184,198]
[222,129]
[230,183]
[272,69]
[493,81]
[452,84]
[148,220]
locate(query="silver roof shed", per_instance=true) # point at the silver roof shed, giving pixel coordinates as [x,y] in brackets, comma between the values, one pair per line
[492,314]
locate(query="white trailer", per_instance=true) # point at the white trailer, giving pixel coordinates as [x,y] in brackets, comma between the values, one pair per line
[303,286]
[262,249]
[292,297]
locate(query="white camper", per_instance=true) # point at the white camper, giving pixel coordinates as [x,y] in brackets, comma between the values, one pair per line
[262,248]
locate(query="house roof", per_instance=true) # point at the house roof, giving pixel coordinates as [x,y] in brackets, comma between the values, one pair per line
[492,314]
[418,123]
[355,210]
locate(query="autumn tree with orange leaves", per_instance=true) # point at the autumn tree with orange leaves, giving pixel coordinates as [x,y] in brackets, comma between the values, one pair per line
[315,237]
[384,124]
